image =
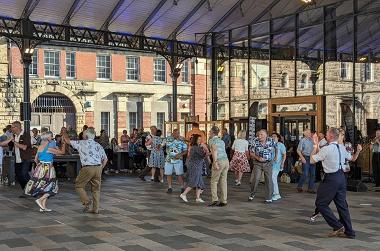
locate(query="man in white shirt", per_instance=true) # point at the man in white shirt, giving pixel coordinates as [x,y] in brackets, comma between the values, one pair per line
[93,159]
[334,185]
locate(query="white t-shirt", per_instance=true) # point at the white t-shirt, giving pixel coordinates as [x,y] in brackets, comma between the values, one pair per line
[240,145]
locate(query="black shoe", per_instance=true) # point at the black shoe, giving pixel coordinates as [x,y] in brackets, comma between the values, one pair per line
[221,204]
[182,190]
[142,178]
[170,190]
[23,196]
[214,204]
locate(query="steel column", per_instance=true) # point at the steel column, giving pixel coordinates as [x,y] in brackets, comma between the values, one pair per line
[354,58]
[296,46]
[229,71]
[26,105]
[214,78]
[270,56]
[249,64]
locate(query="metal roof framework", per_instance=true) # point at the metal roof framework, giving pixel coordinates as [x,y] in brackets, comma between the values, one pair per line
[325,30]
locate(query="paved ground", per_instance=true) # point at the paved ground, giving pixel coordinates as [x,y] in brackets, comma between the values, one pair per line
[141,216]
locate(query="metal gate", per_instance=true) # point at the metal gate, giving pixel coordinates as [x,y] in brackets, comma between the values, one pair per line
[53,111]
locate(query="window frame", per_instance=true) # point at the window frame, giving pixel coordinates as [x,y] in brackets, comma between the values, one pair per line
[54,64]
[159,122]
[70,64]
[34,63]
[160,70]
[371,76]
[130,119]
[137,69]
[185,73]
[346,69]
[98,67]
[108,122]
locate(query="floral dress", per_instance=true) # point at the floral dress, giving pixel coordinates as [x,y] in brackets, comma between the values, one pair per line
[44,179]
[157,157]
[195,163]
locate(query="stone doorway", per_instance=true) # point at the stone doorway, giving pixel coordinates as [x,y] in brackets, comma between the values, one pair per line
[53,111]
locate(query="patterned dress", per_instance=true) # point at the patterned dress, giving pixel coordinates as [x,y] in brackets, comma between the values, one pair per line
[157,157]
[195,163]
[44,179]
[239,162]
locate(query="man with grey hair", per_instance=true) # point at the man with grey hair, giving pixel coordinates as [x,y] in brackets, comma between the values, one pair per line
[263,153]
[93,159]
[220,168]
[334,184]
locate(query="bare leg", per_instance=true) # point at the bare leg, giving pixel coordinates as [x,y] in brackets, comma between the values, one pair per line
[170,179]
[240,176]
[180,180]
[188,189]
[153,172]
[43,200]
[198,193]
[161,174]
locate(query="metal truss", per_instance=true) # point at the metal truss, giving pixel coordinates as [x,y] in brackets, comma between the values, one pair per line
[27,29]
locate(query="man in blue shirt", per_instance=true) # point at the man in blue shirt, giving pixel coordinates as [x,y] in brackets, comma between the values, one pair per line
[304,150]
[175,149]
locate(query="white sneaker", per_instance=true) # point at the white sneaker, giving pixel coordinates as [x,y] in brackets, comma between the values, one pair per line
[276,197]
[251,196]
[268,201]
[183,197]
[47,210]
[238,184]
[117,171]
[199,200]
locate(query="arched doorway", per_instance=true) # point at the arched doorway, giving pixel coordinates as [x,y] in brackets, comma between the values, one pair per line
[53,110]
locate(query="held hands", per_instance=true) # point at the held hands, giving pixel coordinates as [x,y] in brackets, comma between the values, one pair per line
[303,160]
[315,139]
[359,148]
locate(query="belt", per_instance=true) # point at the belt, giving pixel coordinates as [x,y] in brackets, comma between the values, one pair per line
[91,165]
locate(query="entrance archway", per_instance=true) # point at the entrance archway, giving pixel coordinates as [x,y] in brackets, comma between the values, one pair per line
[53,111]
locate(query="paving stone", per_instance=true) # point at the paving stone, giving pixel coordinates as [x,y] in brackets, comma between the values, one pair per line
[146,218]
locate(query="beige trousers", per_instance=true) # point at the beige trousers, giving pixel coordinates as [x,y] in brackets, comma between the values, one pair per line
[219,177]
[92,175]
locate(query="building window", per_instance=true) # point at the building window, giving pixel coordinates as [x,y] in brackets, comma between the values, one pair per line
[221,111]
[185,72]
[103,66]
[51,61]
[367,72]
[284,80]
[133,66]
[303,81]
[161,121]
[263,83]
[33,66]
[220,77]
[159,70]
[70,64]
[105,122]
[132,120]
[344,70]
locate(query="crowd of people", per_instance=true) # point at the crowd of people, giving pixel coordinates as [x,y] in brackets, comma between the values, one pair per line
[193,156]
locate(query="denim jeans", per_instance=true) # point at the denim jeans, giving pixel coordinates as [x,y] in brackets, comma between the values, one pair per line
[308,174]
[22,173]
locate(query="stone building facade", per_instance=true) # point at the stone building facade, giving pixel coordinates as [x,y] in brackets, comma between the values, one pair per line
[70,87]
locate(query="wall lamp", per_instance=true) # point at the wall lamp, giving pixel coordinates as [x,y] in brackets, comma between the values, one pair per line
[178,66]
[29,51]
